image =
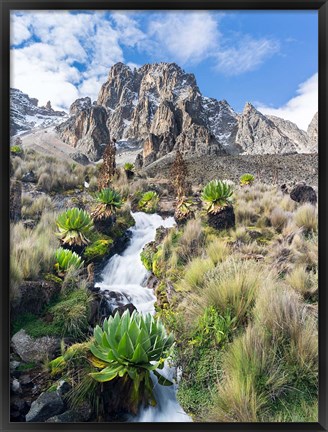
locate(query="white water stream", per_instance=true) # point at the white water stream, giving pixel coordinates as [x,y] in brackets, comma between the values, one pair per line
[125,274]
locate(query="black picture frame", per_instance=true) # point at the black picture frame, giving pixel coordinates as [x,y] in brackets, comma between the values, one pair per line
[322,7]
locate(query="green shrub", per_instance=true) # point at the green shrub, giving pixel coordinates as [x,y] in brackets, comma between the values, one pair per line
[74,226]
[216,195]
[131,346]
[246,179]
[109,201]
[66,259]
[148,202]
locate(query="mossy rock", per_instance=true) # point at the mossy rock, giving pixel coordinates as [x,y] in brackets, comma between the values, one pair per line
[98,249]
[157,263]
[146,257]
[53,278]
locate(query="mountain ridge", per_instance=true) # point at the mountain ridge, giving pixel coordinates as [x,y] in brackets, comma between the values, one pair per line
[160,108]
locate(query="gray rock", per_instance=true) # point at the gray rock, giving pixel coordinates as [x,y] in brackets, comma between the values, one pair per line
[30,349]
[80,158]
[80,414]
[47,405]
[29,177]
[14,365]
[69,416]
[15,386]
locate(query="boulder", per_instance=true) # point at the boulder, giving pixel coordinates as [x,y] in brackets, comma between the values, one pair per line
[82,413]
[303,193]
[34,350]
[47,405]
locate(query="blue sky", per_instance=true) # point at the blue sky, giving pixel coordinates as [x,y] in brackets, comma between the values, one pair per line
[267,58]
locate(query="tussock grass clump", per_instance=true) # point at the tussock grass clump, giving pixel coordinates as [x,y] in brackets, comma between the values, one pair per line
[32,251]
[218,250]
[33,208]
[240,235]
[288,204]
[279,218]
[250,373]
[303,281]
[53,175]
[231,285]
[192,240]
[306,217]
[194,274]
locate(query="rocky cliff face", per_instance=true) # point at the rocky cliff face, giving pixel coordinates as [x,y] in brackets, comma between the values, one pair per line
[25,114]
[160,108]
[86,128]
[312,133]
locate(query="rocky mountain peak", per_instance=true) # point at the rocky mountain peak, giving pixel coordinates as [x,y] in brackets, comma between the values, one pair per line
[159,107]
[25,113]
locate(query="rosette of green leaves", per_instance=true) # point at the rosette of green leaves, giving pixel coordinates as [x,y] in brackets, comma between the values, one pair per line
[184,209]
[131,345]
[216,195]
[148,202]
[246,179]
[109,201]
[74,226]
[66,259]
[128,166]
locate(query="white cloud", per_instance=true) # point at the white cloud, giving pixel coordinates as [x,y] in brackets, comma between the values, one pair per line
[247,55]
[301,108]
[48,69]
[181,37]
[60,55]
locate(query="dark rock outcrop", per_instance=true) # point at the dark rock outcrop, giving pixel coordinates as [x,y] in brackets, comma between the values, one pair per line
[303,193]
[33,296]
[223,220]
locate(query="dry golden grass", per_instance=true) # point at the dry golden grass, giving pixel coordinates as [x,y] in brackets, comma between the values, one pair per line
[218,250]
[306,217]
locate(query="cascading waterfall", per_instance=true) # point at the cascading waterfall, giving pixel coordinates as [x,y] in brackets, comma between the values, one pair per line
[125,274]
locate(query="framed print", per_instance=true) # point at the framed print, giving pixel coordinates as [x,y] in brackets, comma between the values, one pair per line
[162,256]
